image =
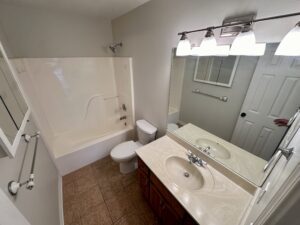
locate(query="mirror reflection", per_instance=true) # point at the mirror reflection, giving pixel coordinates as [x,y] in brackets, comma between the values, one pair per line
[12,103]
[235,109]
[215,70]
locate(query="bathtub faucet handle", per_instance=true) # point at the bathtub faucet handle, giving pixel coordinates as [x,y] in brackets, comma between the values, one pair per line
[123,117]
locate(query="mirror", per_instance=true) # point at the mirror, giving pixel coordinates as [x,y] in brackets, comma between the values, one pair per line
[13,108]
[234,109]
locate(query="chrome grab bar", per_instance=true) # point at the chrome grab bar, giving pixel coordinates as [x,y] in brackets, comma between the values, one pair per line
[14,186]
[221,98]
[286,152]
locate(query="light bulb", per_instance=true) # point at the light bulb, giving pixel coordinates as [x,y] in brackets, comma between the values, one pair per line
[290,44]
[207,46]
[244,42]
[222,50]
[183,47]
[252,50]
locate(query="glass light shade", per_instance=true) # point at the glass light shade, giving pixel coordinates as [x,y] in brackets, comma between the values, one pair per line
[243,41]
[183,48]
[206,48]
[290,44]
[250,50]
[222,50]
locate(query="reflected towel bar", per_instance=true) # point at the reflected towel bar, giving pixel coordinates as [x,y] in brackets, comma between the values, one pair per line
[222,98]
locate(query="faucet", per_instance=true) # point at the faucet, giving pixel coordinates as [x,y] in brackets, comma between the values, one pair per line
[123,117]
[195,159]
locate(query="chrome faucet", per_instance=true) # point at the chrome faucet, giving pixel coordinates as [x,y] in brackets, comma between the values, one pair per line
[195,159]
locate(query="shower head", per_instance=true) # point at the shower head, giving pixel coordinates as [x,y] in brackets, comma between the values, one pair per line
[113,47]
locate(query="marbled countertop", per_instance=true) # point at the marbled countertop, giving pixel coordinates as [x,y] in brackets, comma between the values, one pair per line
[219,202]
[242,162]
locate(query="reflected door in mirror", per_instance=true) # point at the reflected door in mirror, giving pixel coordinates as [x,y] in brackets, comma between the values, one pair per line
[273,93]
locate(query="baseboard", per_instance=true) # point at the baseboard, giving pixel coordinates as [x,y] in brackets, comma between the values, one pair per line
[60,201]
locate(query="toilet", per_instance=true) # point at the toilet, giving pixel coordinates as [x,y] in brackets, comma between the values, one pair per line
[124,153]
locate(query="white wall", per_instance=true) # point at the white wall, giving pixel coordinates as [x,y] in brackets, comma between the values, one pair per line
[150,32]
[40,205]
[35,32]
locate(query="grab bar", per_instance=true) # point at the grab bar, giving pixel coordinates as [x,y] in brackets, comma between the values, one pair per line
[14,186]
[110,97]
[221,98]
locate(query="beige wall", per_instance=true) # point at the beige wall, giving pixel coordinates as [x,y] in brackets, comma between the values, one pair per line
[150,31]
[31,32]
[40,205]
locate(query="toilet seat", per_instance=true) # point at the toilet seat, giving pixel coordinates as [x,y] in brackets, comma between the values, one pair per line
[125,151]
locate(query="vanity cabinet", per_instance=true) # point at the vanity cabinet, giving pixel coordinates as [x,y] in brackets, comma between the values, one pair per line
[164,205]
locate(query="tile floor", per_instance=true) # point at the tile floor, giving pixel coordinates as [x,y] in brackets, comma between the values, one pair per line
[99,194]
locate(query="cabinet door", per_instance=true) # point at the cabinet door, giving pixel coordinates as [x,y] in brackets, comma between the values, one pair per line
[169,216]
[144,183]
[189,221]
[155,200]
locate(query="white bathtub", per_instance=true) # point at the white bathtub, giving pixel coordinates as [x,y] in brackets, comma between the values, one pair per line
[73,151]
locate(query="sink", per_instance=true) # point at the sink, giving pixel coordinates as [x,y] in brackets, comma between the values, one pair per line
[216,150]
[184,174]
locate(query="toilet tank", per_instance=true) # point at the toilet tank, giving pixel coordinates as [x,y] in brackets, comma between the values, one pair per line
[145,131]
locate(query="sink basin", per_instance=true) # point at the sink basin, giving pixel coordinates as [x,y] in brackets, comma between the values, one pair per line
[216,150]
[184,174]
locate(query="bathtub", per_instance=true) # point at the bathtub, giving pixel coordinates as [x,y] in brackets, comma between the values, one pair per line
[75,150]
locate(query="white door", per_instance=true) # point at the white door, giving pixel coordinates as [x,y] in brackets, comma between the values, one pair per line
[274,92]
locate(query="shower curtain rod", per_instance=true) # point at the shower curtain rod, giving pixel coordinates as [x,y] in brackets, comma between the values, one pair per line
[240,23]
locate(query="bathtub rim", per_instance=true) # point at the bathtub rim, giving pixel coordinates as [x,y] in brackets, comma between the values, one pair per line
[104,137]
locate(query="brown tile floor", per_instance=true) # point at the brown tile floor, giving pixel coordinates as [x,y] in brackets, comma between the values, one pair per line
[99,194]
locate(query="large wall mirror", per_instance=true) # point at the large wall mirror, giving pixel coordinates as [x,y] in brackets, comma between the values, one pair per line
[235,109]
[13,108]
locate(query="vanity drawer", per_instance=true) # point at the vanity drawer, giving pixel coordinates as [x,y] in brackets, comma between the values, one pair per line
[143,167]
[180,211]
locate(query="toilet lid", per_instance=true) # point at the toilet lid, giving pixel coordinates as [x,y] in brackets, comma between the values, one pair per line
[125,150]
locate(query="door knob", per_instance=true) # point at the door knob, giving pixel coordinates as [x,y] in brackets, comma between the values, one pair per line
[243,114]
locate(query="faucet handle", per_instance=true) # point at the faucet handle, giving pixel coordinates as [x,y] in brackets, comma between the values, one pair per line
[201,162]
[189,153]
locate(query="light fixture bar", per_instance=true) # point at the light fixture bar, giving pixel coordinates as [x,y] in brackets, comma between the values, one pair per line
[241,23]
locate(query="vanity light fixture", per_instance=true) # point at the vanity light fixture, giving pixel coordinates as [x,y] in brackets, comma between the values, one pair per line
[184,46]
[245,43]
[222,50]
[258,49]
[290,44]
[207,47]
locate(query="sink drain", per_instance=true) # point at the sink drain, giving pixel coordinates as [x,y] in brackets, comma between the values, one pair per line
[186,174]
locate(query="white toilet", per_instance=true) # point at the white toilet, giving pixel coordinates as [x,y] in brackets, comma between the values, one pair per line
[124,153]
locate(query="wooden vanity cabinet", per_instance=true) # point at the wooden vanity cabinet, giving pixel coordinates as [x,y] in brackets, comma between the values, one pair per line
[164,205]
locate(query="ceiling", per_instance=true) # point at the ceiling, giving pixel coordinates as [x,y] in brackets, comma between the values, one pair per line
[109,9]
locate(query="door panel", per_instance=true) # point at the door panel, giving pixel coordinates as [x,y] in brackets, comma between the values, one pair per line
[273,93]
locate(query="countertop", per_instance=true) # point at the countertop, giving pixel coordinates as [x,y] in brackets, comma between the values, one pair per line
[242,162]
[219,202]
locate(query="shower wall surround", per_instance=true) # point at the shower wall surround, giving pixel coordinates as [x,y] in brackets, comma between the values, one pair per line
[78,100]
